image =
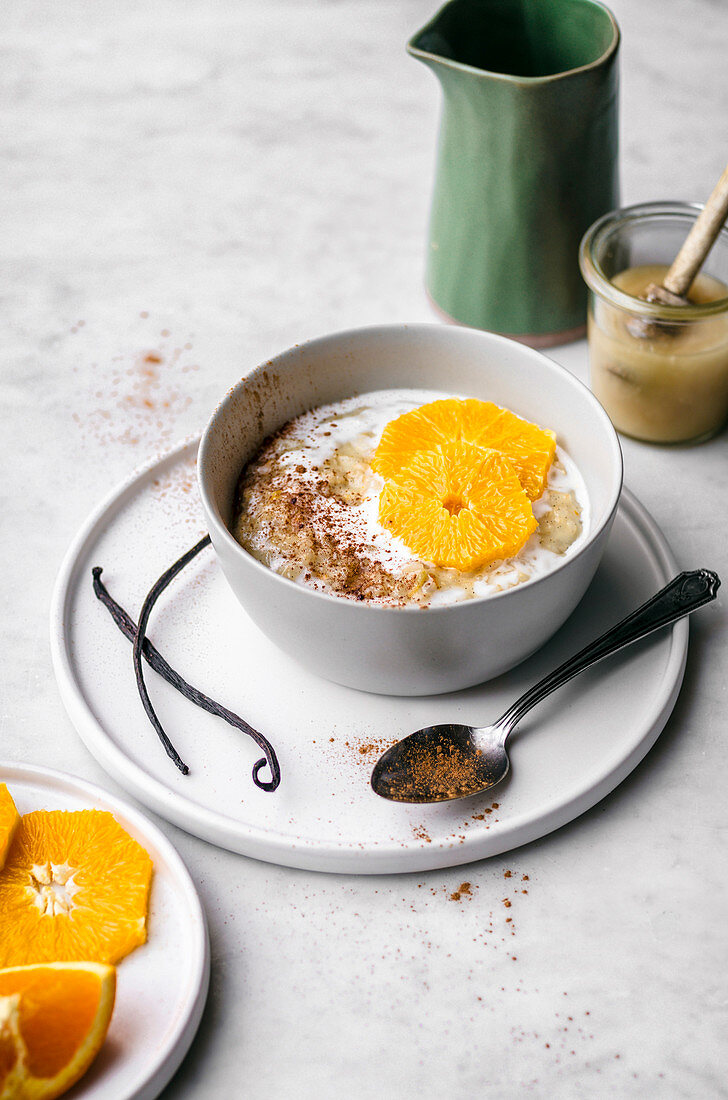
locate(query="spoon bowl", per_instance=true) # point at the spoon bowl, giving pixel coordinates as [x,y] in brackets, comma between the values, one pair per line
[443,762]
[449,761]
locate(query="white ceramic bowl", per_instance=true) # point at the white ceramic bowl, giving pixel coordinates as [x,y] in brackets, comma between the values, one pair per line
[408,651]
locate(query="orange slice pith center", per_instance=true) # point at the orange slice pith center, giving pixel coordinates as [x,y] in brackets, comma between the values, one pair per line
[458,506]
[75,886]
[53,1020]
[529,448]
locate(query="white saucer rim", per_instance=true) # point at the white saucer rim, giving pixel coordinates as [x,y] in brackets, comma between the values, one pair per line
[303,853]
[170,1055]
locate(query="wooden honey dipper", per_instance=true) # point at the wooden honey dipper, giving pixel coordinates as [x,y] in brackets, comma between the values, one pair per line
[698,243]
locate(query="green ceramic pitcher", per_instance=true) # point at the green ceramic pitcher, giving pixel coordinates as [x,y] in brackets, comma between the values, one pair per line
[527,159]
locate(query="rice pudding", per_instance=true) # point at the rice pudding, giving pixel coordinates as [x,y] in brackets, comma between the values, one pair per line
[307,506]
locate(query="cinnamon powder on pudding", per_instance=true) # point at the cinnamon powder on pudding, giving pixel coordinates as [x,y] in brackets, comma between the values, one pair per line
[306,513]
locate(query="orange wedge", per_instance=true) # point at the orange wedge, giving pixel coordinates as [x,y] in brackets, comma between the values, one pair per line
[53,1020]
[9,820]
[529,448]
[459,506]
[75,886]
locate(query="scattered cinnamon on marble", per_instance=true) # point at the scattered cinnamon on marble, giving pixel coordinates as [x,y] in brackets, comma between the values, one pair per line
[465,889]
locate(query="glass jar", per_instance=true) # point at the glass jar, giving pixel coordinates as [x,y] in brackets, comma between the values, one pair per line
[661,372]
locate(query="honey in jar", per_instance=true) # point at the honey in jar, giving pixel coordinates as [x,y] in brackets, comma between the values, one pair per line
[661,372]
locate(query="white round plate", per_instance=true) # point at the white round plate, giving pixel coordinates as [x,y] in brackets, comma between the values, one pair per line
[161,986]
[566,755]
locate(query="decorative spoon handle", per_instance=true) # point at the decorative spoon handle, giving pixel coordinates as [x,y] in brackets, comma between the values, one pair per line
[683,594]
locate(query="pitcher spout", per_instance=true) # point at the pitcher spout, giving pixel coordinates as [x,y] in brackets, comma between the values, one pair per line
[517,39]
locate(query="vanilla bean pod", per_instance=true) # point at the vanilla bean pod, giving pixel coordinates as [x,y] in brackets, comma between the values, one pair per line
[159,665]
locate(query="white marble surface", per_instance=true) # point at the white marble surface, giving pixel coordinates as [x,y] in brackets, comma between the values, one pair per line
[209,183]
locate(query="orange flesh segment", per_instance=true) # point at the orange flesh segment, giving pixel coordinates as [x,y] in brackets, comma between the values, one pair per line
[52,1039]
[529,448]
[8,1056]
[9,821]
[459,506]
[75,886]
[53,1020]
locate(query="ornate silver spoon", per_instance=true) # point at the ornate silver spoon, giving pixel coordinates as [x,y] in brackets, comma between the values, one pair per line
[439,763]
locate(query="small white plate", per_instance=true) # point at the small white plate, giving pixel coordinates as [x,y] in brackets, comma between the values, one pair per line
[161,986]
[566,755]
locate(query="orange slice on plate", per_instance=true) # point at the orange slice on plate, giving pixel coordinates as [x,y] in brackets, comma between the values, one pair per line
[53,1020]
[529,448]
[9,820]
[459,506]
[75,886]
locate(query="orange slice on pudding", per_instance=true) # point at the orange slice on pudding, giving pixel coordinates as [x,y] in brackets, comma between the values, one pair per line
[75,886]
[459,506]
[530,449]
[53,1020]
